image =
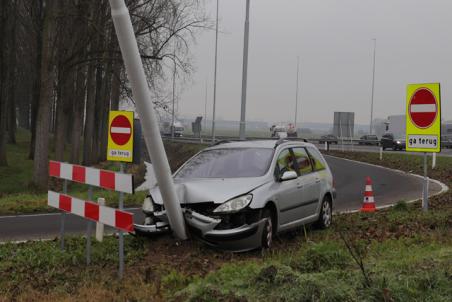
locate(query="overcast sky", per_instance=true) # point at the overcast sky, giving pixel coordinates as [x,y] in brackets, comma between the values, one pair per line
[334,41]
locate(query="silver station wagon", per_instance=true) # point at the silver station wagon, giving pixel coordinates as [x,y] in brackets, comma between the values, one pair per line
[237,195]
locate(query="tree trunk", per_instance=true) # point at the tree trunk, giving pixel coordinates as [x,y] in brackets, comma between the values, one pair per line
[40,172]
[37,79]
[116,86]
[12,75]
[3,102]
[64,106]
[78,108]
[88,139]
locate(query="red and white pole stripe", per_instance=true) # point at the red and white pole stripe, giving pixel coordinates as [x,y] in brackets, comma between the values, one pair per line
[116,218]
[100,178]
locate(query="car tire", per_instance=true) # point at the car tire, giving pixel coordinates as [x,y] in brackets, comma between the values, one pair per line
[267,233]
[326,214]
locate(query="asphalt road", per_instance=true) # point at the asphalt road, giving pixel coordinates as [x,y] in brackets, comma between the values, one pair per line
[389,187]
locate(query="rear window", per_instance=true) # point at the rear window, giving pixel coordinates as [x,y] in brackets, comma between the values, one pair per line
[318,162]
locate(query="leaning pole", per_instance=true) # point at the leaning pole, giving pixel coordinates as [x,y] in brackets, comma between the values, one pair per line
[144,107]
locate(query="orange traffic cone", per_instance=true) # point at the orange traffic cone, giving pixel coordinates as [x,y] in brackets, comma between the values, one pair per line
[369,202]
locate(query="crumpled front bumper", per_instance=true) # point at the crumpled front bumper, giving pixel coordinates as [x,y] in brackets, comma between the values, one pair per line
[243,238]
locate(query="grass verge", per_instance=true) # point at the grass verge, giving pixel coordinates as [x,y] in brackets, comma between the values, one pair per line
[397,254]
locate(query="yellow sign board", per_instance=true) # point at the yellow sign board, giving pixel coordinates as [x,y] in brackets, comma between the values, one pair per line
[120,136]
[423,118]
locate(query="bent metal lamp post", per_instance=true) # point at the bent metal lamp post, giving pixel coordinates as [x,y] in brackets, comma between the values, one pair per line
[140,90]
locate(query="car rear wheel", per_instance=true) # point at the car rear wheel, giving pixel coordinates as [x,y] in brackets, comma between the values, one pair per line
[326,214]
[267,234]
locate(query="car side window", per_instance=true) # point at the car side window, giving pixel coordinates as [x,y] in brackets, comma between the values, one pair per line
[303,161]
[318,162]
[284,163]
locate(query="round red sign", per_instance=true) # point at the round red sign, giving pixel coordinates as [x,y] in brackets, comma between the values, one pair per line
[423,108]
[120,130]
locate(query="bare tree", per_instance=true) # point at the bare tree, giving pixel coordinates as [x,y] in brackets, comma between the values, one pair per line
[41,154]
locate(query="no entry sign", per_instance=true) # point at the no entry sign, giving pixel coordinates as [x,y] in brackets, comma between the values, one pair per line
[120,130]
[423,121]
[120,136]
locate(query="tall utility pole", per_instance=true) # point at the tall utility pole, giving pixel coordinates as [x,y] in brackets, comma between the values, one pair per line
[245,70]
[296,93]
[140,90]
[205,108]
[174,96]
[373,88]
[215,76]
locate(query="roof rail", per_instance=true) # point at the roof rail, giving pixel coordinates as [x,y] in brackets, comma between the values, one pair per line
[223,141]
[280,141]
[285,140]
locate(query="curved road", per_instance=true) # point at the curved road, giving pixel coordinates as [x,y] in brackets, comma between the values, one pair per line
[389,187]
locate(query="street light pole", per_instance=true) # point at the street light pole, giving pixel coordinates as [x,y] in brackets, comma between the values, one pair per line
[296,93]
[373,88]
[205,108]
[144,106]
[174,97]
[245,70]
[215,76]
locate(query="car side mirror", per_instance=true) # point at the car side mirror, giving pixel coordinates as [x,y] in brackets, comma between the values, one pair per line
[288,175]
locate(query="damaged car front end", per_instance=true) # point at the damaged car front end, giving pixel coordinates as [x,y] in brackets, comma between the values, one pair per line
[216,197]
[229,226]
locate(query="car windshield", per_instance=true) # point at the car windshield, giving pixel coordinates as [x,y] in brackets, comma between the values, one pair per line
[227,163]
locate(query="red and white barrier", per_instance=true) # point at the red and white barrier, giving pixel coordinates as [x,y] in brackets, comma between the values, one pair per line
[116,218]
[100,178]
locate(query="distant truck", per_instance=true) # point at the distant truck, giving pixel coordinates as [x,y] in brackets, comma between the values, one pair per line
[278,131]
[165,129]
[281,131]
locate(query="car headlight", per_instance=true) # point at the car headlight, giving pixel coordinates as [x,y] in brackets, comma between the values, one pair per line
[398,142]
[234,205]
[148,207]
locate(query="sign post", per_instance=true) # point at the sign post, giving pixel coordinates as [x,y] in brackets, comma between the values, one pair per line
[423,124]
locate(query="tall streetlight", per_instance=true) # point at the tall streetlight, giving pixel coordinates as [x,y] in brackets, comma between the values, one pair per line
[245,70]
[296,93]
[373,88]
[174,97]
[205,108]
[141,94]
[215,76]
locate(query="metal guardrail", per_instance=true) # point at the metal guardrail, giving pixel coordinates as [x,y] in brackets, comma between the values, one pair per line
[207,139]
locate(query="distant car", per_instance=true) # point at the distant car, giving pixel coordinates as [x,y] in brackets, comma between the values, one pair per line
[369,140]
[446,141]
[330,138]
[389,142]
[238,195]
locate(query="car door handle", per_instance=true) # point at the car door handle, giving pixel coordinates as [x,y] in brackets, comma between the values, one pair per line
[317,181]
[299,186]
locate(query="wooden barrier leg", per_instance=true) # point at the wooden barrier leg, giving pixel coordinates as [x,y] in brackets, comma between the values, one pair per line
[89,227]
[63,218]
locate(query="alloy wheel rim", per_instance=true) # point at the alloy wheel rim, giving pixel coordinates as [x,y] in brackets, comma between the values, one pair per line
[269,232]
[326,213]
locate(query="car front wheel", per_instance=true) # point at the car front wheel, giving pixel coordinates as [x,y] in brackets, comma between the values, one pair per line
[267,234]
[326,214]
